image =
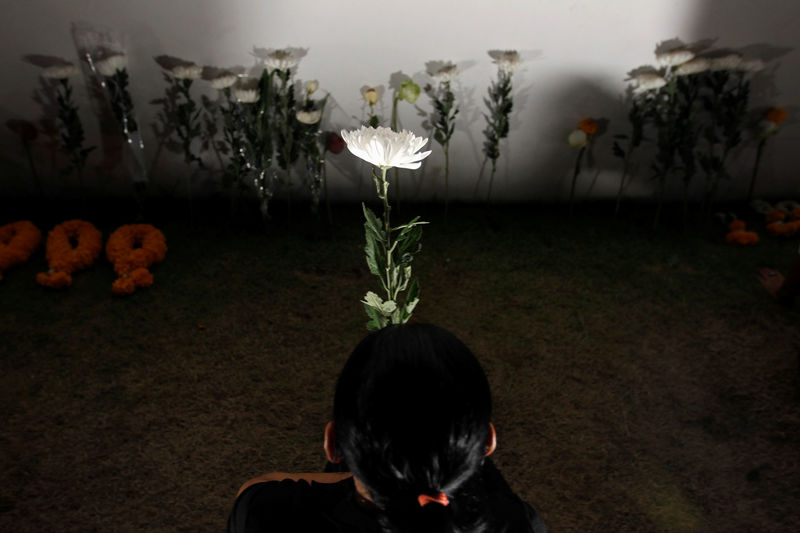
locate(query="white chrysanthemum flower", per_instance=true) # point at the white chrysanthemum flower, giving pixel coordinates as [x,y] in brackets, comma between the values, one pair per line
[281,60]
[312,86]
[577,139]
[224,80]
[728,62]
[672,58]
[385,148]
[446,73]
[245,95]
[761,206]
[694,66]
[752,64]
[507,61]
[309,117]
[62,71]
[648,81]
[110,65]
[187,72]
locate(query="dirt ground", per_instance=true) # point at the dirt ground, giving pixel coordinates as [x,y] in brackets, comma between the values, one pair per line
[643,380]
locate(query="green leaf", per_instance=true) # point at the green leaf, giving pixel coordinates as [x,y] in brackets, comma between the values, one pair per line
[372,223]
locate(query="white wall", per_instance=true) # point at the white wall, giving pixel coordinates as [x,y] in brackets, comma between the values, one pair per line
[577,55]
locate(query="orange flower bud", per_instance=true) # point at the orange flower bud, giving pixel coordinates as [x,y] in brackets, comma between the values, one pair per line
[776,115]
[588,126]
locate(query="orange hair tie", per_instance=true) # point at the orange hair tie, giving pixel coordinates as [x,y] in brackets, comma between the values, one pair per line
[440,498]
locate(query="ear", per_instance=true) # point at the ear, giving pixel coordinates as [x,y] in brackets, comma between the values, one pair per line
[491,445]
[329,444]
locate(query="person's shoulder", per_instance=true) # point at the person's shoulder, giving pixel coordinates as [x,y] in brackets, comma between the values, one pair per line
[278,506]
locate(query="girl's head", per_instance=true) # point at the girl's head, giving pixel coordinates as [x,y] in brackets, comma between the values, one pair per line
[412,415]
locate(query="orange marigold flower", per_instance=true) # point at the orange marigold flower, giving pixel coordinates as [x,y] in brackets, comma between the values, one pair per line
[588,126]
[774,216]
[18,240]
[742,238]
[132,249]
[795,213]
[776,115]
[64,258]
[775,228]
[736,225]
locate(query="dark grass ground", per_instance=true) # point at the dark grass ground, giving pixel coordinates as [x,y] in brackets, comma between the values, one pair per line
[643,380]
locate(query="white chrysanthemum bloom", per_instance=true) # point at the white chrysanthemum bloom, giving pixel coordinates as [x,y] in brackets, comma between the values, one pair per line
[728,62]
[312,86]
[648,81]
[577,139]
[761,206]
[447,73]
[752,64]
[224,80]
[110,65]
[62,71]
[385,148]
[672,58]
[245,95]
[187,72]
[309,117]
[371,96]
[694,66]
[508,61]
[281,60]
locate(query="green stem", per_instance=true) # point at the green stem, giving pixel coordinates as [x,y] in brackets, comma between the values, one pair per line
[575,173]
[446,179]
[396,170]
[491,180]
[388,247]
[755,170]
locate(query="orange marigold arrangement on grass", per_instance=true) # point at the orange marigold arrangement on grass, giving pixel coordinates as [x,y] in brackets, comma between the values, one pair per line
[71,246]
[132,249]
[738,235]
[18,240]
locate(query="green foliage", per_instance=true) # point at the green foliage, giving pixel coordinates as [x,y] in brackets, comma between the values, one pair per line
[121,103]
[389,253]
[72,134]
[500,105]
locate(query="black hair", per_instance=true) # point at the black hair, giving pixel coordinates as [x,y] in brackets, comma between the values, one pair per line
[411,415]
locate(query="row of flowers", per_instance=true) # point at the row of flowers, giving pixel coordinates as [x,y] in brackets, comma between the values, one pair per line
[691,107]
[76,244]
[782,220]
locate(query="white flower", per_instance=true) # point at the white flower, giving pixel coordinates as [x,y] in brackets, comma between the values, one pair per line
[187,72]
[309,117]
[110,65]
[281,60]
[224,80]
[787,206]
[577,139]
[385,148]
[61,71]
[245,96]
[507,61]
[750,65]
[674,57]
[648,81]
[312,86]
[761,206]
[695,66]
[446,73]
[728,62]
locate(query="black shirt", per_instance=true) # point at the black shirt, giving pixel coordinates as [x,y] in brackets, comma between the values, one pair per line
[291,506]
